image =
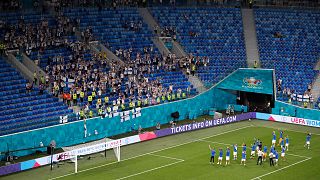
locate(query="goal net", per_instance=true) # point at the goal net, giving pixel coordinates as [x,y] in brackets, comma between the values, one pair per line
[98,149]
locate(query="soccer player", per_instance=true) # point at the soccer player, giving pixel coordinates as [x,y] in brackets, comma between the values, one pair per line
[260,154]
[271,155]
[282,143]
[213,153]
[228,156]
[265,153]
[281,137]
[272,148]
[220,156]
[274,137]
[283,150]
[243,159]
[244,147]
[235,152]
[257,145]
[308,141]
[253,150]
[276,154]
[287,143]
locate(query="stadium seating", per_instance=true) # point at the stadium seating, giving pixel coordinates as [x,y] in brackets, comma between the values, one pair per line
[293,55]
[108,26]
[22,111]
[219,36]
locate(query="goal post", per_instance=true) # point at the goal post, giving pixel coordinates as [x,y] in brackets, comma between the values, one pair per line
[90,150]
[117,152]
[115,145]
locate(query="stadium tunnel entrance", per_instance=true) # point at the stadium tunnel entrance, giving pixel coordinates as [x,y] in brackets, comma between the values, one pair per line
[254,88]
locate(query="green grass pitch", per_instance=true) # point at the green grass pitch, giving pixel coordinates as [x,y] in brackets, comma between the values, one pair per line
[186,156]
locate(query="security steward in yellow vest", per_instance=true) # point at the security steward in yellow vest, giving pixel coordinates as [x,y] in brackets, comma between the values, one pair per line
[109,109]
[173,97]
[81,96]
[123,107]
[169,97]
[131,105]
[158,100]
[93,95]
[145,104]
[178,95]
[99,102]
[163,98]
[81,114]
[100,112]
[139,103]
[183,95]
[90,114]
[106,101]
[90,99]
[74,97]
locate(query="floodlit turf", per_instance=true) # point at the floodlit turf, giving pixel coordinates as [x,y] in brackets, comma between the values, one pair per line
[186,156]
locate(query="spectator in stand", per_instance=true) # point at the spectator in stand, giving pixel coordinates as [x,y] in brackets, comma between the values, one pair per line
[309,87]
[29,87]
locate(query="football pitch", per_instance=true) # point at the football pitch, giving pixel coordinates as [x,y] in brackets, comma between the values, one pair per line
[186,156]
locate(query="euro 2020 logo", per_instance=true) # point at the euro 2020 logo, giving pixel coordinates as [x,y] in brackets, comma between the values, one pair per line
[252,83]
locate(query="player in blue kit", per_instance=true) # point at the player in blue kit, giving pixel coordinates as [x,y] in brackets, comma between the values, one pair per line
[244,147]
[235,152]
[283,153]
[253,151]
[272,149]
[265,153]
[243,158]
[287,143]
[213,153]
[276,155]
[220,156]
[308,141]
[274,137]
[228,156]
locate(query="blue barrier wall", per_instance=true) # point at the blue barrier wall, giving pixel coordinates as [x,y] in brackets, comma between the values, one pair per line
[73,133]
[292,110]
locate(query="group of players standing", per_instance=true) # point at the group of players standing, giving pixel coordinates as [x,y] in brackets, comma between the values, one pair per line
[256,147]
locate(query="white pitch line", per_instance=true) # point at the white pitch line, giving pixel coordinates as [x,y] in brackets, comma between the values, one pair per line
[152,152]
[216,142]
[166,157]
[301,132]
[298,155]
[143,172]
[259,177]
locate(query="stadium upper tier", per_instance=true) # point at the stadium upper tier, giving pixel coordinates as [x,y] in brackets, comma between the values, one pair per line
[215,33]
[121,28]
[21,111]
[289,42]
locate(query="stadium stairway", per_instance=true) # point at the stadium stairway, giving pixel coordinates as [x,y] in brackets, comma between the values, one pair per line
[316,87]
[148,19]
[250,36]
[316,83]
[177,49]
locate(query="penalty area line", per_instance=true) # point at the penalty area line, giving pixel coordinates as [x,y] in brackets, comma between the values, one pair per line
[159,150]
[259,177]
[149,170]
